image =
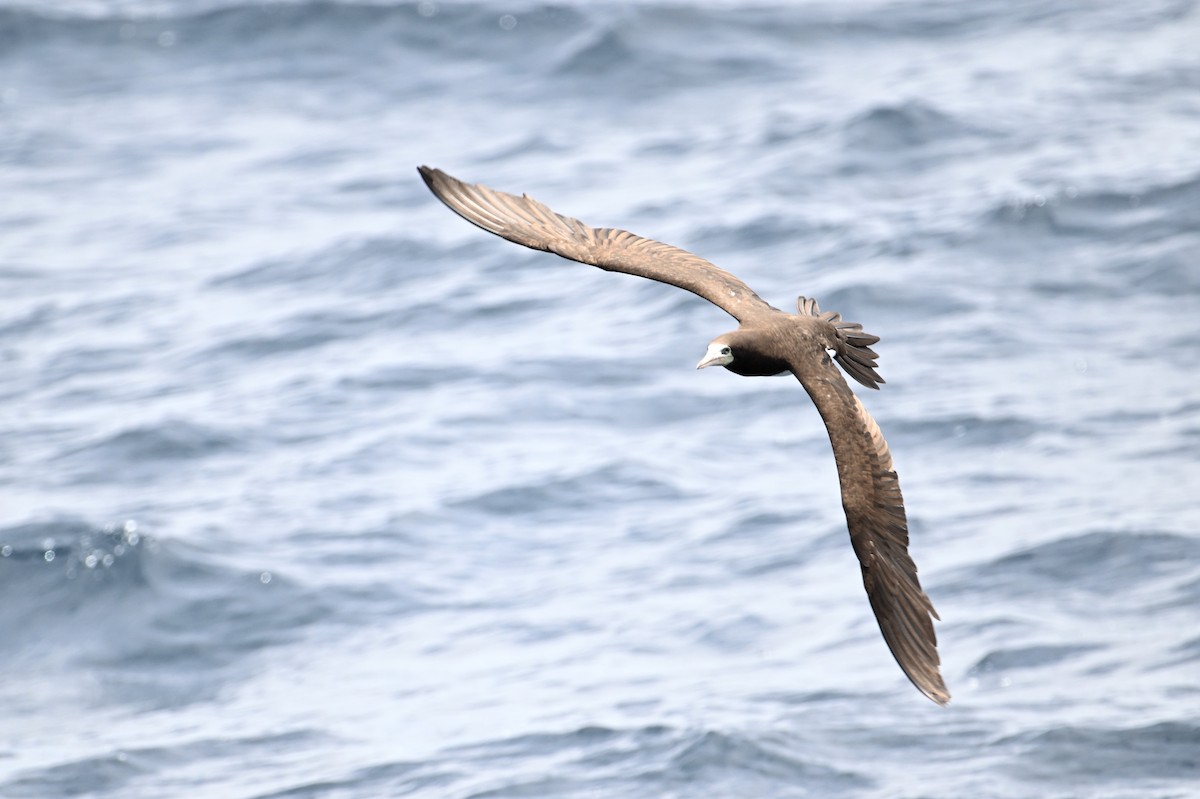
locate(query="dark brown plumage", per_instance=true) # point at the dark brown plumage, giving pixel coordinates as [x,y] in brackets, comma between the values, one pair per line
[767,341]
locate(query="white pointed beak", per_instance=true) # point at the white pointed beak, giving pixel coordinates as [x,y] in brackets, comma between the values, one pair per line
[714,357]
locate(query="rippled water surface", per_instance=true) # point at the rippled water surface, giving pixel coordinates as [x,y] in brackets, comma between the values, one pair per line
[311,489]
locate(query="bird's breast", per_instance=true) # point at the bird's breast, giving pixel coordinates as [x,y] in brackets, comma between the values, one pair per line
[756,366]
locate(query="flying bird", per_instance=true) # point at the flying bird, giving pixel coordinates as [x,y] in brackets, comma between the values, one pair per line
[768,341]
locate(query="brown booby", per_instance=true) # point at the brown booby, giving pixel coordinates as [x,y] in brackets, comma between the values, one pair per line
[767,341]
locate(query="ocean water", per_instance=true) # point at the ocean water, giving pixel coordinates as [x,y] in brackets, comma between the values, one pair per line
[308,488]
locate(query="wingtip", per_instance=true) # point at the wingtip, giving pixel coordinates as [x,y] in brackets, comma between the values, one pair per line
[427,174]
[933,687]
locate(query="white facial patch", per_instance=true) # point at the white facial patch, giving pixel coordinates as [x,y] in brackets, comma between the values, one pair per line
[717,355]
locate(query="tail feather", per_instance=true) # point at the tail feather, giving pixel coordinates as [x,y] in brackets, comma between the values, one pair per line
[854,352]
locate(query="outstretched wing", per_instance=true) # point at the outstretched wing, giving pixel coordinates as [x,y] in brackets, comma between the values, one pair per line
[526,221]
[878,528]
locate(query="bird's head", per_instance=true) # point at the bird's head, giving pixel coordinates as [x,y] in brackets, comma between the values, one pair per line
[720,353]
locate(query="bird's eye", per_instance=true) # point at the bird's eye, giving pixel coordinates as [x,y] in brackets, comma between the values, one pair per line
[725,351]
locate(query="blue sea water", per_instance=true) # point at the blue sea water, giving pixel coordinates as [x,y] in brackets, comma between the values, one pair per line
[310,489]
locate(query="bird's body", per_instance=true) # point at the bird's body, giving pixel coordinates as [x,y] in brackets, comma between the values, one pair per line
[767,342]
